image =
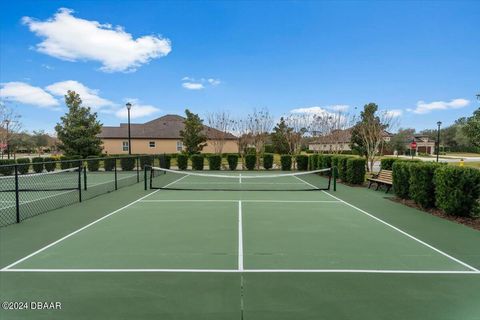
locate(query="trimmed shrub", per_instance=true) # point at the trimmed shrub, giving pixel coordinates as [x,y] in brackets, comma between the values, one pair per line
[232,160]
[197,161]
[312,162]
[422,188]
[127,163]
[286,162]
[93,163]
[164,160]
[269,148]
[387,163]
[268,160]
[37,164]
[457,190]
[327,161]
[23,165]
[356,170]
[146,161]
[109,163]
[335,161]
[401,178]
[302,162]
[64,163]
[250,161]
[75,164]
[320,161]
[7,167]
[50,165]
[342,168]
[215,162]
[182,161]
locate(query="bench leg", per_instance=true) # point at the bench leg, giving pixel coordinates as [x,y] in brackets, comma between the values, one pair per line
[369,184]
[388,188]
[378,186]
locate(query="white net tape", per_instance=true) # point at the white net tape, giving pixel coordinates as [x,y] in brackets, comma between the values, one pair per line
[248,176]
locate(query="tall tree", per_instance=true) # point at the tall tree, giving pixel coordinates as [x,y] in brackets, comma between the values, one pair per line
[10,120]
[400,140]
[223,123]
[369,132]
[472,128]
[40,139]
[194,140]
[280,137]
[78,128]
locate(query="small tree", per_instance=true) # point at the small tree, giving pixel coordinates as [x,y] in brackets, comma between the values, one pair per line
[280,137]
[400,139]
[40,139]
[10,117]
[78,129]
[472,128]
[194,140]
[222,123]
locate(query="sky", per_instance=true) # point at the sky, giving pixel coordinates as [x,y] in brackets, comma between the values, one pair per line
[419,61]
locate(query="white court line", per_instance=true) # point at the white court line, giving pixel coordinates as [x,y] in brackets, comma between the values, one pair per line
[240,237]
[82,228]
[243,200]
[252,271]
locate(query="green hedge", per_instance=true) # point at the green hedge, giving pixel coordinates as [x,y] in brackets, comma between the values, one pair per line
[286,162]
[335,161]
[127,163]
[232,160]
[401,179]
[356,170]
[182,161]
[215,162]
[93,163]
[197,161]
[146,160]
[342,167]
[387,163]
[457,190]
[37,164]
[326,161]
[50,164]
[64,163]
[250,161]
[312,162]
[422,188]
[8,168]
[23,165]
[164,160]
[75,164]
[302,162]
[268,160]
[109,163]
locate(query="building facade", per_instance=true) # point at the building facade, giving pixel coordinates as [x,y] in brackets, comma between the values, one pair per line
[161,135]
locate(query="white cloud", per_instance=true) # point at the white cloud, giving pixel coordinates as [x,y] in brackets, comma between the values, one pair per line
[214,82]
[339,107]
[323,109]
[424,107]
[69,38]
[138,110]
[89,96]
[193,85]
[25,93]
[394,113]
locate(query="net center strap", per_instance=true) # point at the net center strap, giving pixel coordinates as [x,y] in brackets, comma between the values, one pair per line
[279,175]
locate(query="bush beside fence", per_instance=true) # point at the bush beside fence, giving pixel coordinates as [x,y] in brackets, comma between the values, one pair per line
[356,170]
[302,162]
[286,162]
[232,160]
[250,161]
[197,161]
[215,162]
[421,185]
[268,161]
[182,161]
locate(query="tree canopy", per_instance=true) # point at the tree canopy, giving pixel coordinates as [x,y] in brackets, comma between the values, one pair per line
[472,128]
[194,140]
[280,137]
[78,129]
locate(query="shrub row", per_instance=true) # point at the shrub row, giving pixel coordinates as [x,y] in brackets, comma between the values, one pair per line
[455,190]
[349,169]
[387,163]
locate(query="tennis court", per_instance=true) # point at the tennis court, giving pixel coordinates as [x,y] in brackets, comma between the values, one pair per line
[265,254]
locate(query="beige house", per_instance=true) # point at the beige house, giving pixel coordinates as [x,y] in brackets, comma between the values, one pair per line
[424,144]
[161,135]
[337,141]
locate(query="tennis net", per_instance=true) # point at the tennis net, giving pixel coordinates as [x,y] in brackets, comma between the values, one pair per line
[161,178]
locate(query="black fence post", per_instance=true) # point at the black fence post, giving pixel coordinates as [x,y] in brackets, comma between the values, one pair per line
[145,177]
[80,182]
[85,178]
[138,168]
[115,171]
[17,195]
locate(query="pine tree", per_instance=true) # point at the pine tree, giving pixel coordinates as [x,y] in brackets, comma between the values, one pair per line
[194,140]
[78,129]
[280,137]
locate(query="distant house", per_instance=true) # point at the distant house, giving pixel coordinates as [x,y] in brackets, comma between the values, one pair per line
[337,141]
[161,135]
[424,144]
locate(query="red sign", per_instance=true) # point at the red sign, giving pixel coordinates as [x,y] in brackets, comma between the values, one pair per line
[413,145]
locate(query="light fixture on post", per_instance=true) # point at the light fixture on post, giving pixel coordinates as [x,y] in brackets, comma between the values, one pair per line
[439,123]
[129,106]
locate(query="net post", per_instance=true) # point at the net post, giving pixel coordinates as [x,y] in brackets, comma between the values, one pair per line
[85,178]
[151,178]
[138,168]
[145,177]
[335,178]
[80,167]
[115,173]
[17,195]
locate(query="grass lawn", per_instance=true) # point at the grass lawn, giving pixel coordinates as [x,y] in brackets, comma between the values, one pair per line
[475,164]
[463,154]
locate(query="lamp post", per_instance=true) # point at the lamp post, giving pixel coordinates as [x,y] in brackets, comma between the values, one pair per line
[129,106]
[7,123]
[439,123]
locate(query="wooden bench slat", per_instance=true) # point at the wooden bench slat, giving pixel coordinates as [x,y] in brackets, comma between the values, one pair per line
[383,177]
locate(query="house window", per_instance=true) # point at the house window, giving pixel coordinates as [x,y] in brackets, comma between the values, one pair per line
[179,146]
[125,145]
[151,144]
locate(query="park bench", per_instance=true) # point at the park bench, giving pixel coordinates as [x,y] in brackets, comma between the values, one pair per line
[384,177]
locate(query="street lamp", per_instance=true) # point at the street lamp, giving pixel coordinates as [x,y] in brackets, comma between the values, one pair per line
[7,123]
[439,123]
[129,106]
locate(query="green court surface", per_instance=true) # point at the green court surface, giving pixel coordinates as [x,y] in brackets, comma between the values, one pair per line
[170,254]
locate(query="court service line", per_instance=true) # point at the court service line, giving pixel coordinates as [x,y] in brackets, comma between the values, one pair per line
[81,229]
[240,237]
[380,271]
[244,200]
[406,234]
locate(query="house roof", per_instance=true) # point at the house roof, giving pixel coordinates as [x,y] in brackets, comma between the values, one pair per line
[166,127]
[340,136]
